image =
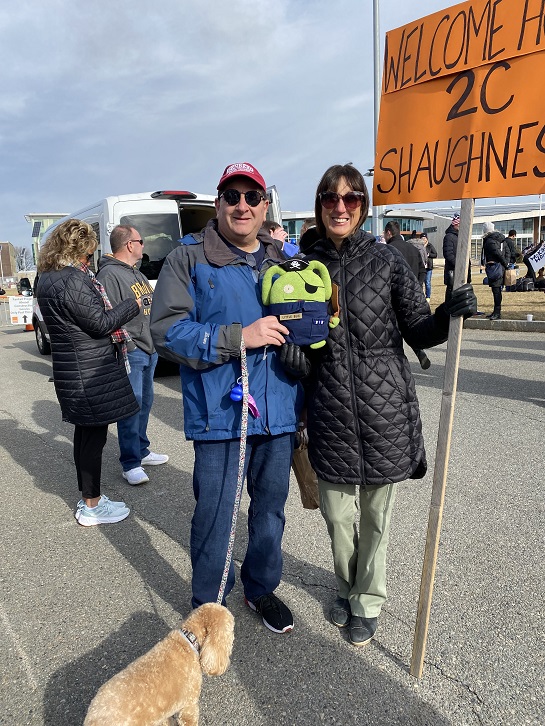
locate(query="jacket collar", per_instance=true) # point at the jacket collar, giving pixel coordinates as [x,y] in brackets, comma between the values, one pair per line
[353,245]
[217,252]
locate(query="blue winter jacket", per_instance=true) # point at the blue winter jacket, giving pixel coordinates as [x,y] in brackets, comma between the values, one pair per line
[204,296]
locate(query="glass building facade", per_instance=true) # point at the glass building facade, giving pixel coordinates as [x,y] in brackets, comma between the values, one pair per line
[524,228]
[293,228]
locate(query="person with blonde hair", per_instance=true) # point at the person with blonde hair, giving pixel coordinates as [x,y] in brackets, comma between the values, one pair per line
[88,346]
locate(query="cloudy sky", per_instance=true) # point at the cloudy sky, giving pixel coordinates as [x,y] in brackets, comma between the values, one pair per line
[100,98]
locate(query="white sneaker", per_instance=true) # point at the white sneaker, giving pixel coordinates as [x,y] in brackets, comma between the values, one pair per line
[136,476]
[153,459]
[103,513]
[103,498]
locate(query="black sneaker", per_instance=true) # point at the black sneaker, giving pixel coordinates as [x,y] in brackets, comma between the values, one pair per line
[340,612]
[275,615]
[362,630]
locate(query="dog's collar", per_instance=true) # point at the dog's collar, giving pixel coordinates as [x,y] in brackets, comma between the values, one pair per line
[191,639]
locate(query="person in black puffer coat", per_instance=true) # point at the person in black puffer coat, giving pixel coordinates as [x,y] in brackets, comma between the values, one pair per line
[450,246]
[416,263]
[494,251]
[88,346]
[362,412]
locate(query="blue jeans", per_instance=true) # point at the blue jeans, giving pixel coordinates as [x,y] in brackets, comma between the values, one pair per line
[427,282]
[267,472]
[132,432]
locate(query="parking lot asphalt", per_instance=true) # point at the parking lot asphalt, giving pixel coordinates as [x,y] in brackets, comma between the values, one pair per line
[77,604]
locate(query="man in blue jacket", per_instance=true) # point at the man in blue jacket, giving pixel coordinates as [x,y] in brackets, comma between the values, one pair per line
[207,299]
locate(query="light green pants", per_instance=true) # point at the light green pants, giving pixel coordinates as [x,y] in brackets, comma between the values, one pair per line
[359,560]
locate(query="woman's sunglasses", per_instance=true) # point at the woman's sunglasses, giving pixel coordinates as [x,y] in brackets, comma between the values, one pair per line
[232,197]
[351,200]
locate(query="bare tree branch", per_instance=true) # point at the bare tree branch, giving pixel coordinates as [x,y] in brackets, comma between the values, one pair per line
[23,259]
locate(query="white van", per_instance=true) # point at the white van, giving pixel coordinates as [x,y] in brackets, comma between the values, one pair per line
[161,219]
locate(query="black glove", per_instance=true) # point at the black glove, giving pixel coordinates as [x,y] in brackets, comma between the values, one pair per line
[295,362]
[463,302]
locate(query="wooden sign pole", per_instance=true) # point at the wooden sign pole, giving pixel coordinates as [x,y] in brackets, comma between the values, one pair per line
[443,447]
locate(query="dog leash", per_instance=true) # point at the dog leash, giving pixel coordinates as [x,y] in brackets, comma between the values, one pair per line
[241,461]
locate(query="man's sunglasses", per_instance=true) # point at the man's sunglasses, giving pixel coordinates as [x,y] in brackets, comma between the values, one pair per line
[351,200]
[232,197]
[136,240]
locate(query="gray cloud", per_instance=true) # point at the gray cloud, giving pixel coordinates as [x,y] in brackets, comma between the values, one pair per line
[113,97]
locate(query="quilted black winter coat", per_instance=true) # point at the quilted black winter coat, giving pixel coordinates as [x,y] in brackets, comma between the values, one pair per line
[450,246]
[492,249]
[90,379]
[363,418]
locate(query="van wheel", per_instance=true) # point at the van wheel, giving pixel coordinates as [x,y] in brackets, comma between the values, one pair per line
[43,344]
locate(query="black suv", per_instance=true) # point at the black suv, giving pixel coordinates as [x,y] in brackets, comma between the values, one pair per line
[24,287]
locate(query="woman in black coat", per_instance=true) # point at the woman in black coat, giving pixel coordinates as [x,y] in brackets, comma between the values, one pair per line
[493,251]
[363,419]
[88,345]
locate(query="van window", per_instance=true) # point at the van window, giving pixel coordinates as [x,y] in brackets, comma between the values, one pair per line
[161,234]
[94,259]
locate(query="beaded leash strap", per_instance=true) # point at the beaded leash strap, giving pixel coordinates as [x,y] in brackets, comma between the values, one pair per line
[241,460]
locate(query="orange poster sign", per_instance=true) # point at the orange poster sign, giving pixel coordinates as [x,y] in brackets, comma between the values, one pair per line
[462,114]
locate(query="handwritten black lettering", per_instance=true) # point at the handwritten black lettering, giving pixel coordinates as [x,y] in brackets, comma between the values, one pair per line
[391,67]
[502,165]
[480,157]
[407,57]
[418,76]
[388,170]
[493,30]
[462,39]
[526,19]
[472,22]
[519,149]
[455,111]
[452,41]
[539,146]
[460,164]
[405,172]
[433,73]
[484,102]
[423,167]
[438,180]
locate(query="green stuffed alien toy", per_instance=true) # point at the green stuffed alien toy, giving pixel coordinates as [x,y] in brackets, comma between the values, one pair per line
[299,298]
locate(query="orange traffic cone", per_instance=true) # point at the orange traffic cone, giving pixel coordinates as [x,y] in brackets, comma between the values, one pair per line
[29,326]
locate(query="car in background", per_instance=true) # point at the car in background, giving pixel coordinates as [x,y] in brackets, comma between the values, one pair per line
[24,287]
[43,342]
[162,218]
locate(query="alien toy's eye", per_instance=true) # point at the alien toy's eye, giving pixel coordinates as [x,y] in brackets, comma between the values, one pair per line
[288,289]
[311,289]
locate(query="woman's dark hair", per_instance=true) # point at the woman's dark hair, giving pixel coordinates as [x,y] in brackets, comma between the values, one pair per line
[329,183]
[512,233]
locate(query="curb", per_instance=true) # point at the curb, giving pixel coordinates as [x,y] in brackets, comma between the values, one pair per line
[512,326]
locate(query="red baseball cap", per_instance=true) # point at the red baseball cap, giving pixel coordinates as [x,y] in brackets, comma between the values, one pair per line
[242,169]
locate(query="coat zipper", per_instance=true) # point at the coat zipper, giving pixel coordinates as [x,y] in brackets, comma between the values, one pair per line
[344,313]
